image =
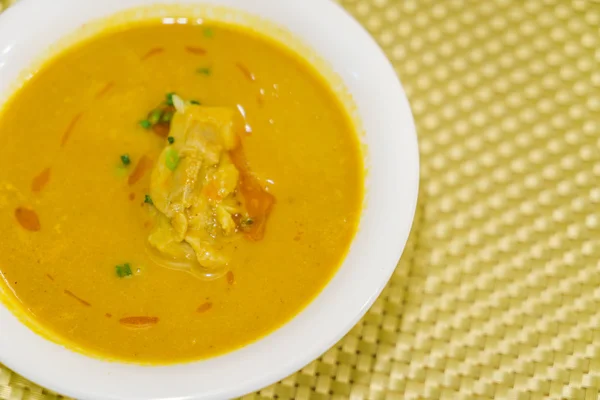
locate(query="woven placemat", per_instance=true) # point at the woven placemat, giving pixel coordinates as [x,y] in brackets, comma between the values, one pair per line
[497,294]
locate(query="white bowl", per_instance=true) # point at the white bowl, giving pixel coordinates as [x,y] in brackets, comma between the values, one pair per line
[28,28]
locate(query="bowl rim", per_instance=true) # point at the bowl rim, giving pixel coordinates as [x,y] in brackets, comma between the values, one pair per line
[349,294]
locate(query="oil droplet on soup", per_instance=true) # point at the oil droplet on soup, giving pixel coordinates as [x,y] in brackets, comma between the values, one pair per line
[186,191]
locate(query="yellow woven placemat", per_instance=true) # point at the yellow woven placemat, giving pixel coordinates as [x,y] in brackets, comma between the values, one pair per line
[497,294]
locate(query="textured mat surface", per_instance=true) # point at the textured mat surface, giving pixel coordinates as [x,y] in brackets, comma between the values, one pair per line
[498,292]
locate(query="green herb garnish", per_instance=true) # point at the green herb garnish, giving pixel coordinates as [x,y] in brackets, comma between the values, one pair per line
[145,124]
[123,270]
[170,98]
[203,71]
[195,102]
[167,116]
[171,139]
[208,32]
[171,158]
[125,159]
[148,200]
[155,117]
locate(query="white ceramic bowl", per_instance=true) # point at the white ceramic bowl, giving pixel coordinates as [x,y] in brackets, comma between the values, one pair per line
[28,28]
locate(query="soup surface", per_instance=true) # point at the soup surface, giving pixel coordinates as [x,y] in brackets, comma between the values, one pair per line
[81,146]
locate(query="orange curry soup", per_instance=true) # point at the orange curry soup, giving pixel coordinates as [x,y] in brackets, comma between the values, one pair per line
[173,192]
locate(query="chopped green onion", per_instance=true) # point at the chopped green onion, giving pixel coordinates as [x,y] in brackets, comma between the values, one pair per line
[204,71]
[125,159]
[171,158]
[123,270]
[208,32]
[170,98]
[155,117]
[145,124]
[167,116]
[171,139]
[148,199]
[195,102]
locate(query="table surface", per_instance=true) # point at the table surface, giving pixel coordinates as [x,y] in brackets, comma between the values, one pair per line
[497,294]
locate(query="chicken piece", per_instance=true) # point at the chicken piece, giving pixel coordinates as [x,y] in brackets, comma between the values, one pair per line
[195,186]
[201,136]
